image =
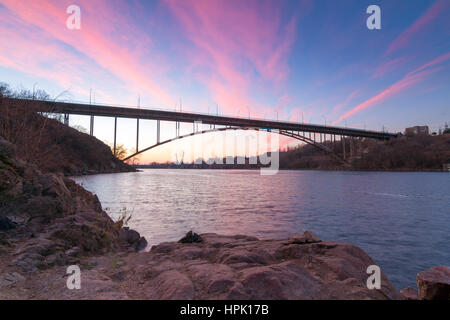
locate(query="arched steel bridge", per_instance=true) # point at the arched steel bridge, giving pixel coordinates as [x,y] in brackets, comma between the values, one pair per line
[283,133]
[309,133]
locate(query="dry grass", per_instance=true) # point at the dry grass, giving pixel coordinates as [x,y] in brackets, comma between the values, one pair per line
[24,127]
[42,139]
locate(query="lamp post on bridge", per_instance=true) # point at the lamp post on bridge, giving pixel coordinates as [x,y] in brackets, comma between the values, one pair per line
[91,127]
[34,86]
[325,118]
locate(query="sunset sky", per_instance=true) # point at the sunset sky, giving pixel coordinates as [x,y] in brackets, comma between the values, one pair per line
[315,58]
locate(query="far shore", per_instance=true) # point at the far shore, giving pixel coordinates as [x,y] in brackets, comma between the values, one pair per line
[284,169]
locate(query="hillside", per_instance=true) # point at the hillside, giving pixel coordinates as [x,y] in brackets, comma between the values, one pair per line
[409,153]
[53,146]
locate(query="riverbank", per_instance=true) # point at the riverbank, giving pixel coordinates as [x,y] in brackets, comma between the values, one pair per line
[207,167]
[406,153]
[52,146]
[47,220]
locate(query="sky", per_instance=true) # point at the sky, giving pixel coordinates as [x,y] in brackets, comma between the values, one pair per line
[304,60]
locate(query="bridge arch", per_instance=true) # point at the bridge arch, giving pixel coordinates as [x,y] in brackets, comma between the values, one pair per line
[289,134]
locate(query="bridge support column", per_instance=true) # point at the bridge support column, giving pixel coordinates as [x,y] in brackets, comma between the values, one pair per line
[115,136]
[343,147]
[360,147]
[158,131]
[352,147]
[91,128]
[66,119]
[137,135]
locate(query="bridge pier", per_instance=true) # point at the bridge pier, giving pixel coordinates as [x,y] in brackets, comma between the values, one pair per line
[66,119]
[158,131]
[351,147]
[360,147]
[137,135]
[115,136]
[91,127]
[343,147]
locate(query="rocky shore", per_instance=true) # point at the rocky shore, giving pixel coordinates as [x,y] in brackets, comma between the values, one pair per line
[48,222]
[220,267]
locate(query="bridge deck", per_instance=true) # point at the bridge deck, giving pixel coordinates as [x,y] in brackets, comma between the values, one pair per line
[134,113]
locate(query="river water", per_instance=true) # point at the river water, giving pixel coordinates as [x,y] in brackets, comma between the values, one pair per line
[401,219]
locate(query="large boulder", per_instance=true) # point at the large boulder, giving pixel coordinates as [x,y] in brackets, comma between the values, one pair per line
[171,285]
[191,237]
[409,293]
[307,237]
[133,238]
[434,283]
[53,185]
[238,267]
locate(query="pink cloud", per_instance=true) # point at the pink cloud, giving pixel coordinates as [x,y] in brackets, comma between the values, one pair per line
[347,100]
[102,39]
[404,38]
[416,76]
[283,101]
[434,62]
[387,67]
[298,114]
[236,43]
[46,59]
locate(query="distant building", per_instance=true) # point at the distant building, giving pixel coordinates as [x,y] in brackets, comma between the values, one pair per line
[417,130]
[446,129]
